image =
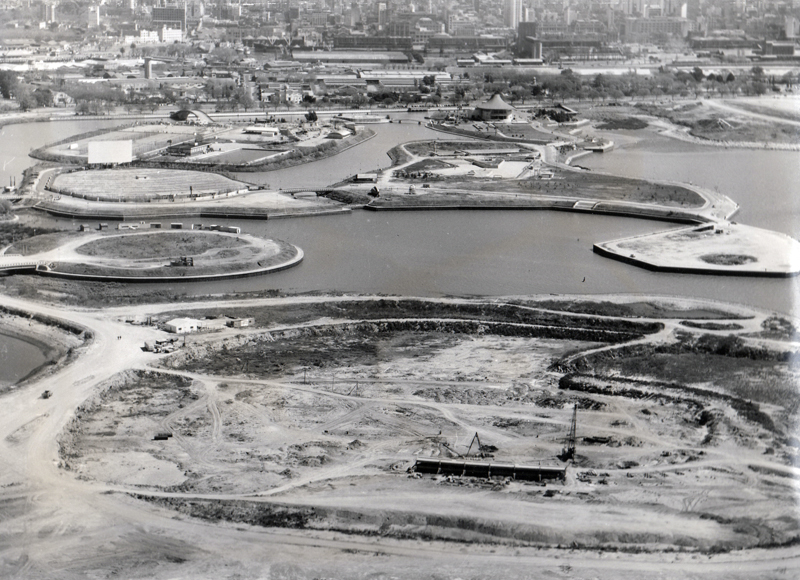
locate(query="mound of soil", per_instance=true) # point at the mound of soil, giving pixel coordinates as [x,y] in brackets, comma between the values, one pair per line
[627,124]
[728,259]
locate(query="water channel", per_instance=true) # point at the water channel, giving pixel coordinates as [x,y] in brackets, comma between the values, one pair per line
[17,359]
[493,253]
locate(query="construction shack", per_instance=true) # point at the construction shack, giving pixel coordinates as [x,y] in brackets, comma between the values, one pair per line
[489,470]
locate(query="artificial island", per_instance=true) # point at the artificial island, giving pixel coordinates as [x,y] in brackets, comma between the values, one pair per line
[343,435]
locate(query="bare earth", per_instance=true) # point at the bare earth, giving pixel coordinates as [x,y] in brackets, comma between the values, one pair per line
[296,467]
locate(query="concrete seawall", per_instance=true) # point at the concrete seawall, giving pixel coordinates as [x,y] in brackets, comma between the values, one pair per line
[171,279]
[597,249]
[719,249]
[655,214]
[187,212]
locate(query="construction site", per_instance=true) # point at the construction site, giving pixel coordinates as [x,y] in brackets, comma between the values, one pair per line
[387,416]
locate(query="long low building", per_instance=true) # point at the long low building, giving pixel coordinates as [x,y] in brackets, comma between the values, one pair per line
[488,470]
[349,57]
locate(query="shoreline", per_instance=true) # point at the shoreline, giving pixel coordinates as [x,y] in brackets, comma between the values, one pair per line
[54,344]
[225,212]
[294,261]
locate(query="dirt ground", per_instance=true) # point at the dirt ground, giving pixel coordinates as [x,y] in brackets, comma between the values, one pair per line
[300,469]
[316,426]
[731,122]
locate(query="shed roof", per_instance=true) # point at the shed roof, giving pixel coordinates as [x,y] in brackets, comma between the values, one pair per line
[178,322]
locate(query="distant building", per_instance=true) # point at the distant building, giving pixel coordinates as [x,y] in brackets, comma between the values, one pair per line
[93,16]
[383,13]
[355,14]
[774,48]
[171,15]
[49,13]
[262,130]
[642,28]
[195,11]
[148,37]
[512,13]
[171,35]
[528,43]
[319,18]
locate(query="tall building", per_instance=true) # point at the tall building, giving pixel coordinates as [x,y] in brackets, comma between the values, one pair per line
[171,15]
[512,13]
[49,12]
[195,11]
[791,27]
[93,16]
[383,13]
[355,14]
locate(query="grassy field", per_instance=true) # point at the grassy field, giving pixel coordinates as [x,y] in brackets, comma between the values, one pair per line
[140,184]
[42,243]
[622,123]
[587,185]
[636,309]
[158,245]
[13,233]
[425,148]
[146,138]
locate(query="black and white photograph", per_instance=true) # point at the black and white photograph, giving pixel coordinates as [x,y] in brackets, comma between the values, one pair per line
[399,289]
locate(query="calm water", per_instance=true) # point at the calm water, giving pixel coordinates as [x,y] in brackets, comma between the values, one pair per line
[766,184]
[17,359]
[16,141]
[366,157]
[499,252]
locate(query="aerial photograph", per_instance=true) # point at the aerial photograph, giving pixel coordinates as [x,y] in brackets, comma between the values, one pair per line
[399,289]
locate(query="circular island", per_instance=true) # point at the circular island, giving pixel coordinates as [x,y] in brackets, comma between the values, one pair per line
[144,184]
[160,256]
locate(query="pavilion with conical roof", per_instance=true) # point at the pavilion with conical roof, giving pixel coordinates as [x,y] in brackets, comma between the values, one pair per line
[495,109]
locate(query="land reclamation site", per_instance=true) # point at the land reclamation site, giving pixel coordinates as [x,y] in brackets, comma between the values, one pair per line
[612,436]
[474,174]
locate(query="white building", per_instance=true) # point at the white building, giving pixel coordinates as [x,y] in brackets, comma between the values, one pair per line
[93,16]
[182,325]
[170,35]
[512,13]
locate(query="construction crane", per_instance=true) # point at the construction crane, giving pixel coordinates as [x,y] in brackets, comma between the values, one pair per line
[481,450]
[568,452]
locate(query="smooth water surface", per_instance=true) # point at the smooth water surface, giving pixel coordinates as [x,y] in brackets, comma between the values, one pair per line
[17,359]
[506,252]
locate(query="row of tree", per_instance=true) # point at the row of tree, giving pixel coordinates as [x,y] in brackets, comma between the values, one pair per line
[517,85]
[521,85]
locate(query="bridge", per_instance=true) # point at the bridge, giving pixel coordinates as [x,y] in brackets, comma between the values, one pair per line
[20,264]
[184,114]
[318,191]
